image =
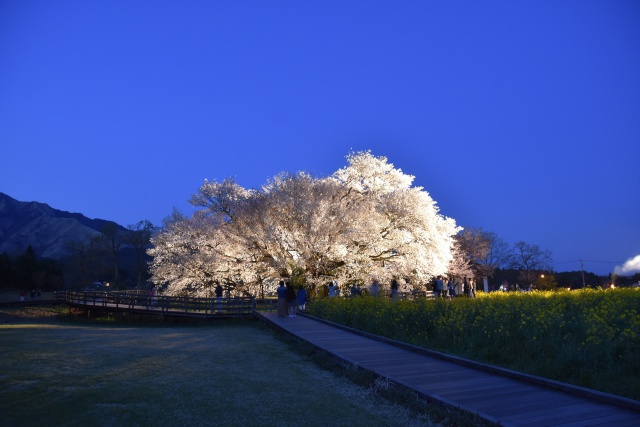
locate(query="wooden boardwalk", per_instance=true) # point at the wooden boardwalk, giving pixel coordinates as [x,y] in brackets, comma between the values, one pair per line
[503,397]
[164,306]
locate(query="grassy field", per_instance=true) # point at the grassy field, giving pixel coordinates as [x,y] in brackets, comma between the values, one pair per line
[69,373]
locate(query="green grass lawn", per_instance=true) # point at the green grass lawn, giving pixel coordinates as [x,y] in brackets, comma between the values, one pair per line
[68,373]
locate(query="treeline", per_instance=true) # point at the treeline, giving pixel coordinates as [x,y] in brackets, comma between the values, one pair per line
[549,280]
[116,256]
[27,272]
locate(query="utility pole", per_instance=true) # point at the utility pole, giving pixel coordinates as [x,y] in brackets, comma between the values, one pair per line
[582,268]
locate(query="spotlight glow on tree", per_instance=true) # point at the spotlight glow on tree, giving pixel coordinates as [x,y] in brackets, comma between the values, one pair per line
[365,221]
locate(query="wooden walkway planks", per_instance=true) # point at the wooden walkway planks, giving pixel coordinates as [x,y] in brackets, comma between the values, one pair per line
[500,399]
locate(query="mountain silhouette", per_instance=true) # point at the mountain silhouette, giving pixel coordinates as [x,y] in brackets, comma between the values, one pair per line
[46,229]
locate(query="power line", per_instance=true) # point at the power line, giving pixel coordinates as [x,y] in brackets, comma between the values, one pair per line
[587,260]
[565,262]
[606,262]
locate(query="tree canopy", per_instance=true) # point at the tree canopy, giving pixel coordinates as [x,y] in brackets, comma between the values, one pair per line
[364,221]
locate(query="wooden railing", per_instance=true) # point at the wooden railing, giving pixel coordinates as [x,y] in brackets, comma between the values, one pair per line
[266,304]
[160,305]
[417,295]
[143,303]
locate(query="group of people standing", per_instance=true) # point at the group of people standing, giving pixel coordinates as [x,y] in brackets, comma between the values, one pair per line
[356,289]
[289,301]
[452,288]
[35,294]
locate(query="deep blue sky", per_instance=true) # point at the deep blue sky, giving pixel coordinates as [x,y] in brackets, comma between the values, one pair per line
[522,118]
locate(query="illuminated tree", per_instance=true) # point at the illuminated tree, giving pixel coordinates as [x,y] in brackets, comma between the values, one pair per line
[393,230]
[461,265]
[364,221]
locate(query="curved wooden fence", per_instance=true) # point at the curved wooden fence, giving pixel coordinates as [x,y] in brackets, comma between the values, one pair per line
[166,306]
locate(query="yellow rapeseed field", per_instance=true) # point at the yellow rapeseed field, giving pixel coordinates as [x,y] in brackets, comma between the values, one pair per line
[587,337]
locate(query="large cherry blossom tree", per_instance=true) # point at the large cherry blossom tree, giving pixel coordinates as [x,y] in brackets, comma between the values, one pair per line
[363,222]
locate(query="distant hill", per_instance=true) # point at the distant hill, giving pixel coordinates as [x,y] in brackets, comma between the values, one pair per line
[46,229]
